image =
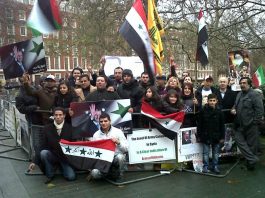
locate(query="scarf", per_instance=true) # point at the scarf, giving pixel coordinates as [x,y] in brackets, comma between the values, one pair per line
[58,127]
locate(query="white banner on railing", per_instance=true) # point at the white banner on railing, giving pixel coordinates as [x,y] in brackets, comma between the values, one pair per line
[150,146]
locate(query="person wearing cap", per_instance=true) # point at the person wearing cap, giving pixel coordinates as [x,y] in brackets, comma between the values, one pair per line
[161,85]
[202,92]
[45,95]
[129,89]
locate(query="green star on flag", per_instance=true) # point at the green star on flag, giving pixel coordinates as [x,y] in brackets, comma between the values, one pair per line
[37,48]
[140,27]
[83,152]
[122,110]
[68,149]
[166,123]
[98,153]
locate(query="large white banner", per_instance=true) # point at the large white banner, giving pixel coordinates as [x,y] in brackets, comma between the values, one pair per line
[133,63]
[150,146]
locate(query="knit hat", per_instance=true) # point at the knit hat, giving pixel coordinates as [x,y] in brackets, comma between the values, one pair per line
[127,72]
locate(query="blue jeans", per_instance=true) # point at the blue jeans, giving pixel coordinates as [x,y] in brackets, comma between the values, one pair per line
[50,160]
[215,154]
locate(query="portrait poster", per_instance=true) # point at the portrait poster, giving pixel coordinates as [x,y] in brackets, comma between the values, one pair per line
[238,67]
[229,148]
[26,56]
[188,146]
[85,120]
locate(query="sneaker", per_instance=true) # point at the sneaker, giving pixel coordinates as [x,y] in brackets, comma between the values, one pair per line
[89,177]
[205,170]
[49,180]
[251,166]
[216,170]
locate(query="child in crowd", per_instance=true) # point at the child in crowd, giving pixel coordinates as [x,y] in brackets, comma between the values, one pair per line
[173,100]
[211,131]
[151,96]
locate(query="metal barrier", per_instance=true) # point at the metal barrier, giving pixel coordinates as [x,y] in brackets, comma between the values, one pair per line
[36,139]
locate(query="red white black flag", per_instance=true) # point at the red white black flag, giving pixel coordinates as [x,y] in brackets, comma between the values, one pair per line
[168,125]
[135,32]
[202,46]
[88,155]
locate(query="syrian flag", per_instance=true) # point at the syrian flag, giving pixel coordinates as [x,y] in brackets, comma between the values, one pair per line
[44,17]
[202,46]
[258,77]
[135,32]
[169,124]
[88,155]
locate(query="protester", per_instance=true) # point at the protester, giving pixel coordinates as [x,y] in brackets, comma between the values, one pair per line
[101,93]
[173,83]
[226,99]
[129,89]
[85,87]
[51,153]
[249,113]
[161,85]
[28,105]
[144,81]
[191,106]
[211,132]
[107,131]
[151,97]
[206,89]
[173,100]
[65,95]
[75,74]
[45,96]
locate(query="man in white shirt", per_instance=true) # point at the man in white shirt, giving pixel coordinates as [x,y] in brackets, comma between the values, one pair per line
[107,131]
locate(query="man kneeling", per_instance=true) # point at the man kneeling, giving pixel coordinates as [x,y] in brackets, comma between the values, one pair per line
[51,153]
[107,131]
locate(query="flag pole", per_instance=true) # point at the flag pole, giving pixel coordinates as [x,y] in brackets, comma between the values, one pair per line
[196,73]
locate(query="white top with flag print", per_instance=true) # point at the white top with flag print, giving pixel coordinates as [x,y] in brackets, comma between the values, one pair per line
[113,133]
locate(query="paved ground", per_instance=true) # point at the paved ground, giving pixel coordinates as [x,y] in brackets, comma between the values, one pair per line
[239,183]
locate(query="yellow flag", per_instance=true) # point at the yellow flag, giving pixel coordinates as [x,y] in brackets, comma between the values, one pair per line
[155,29]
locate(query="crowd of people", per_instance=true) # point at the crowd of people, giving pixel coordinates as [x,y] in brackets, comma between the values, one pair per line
[208,107]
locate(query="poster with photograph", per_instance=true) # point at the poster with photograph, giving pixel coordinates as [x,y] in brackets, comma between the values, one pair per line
[26,56]
[238,66]
[229,148]
[85,120]
[188,146]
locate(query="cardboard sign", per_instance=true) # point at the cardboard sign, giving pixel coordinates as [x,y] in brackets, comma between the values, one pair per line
[150,146]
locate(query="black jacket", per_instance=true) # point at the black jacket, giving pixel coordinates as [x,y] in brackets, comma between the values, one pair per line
[28,105]
[211,128]
[102,94]
[51,140]
[133,92]
[226,103]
